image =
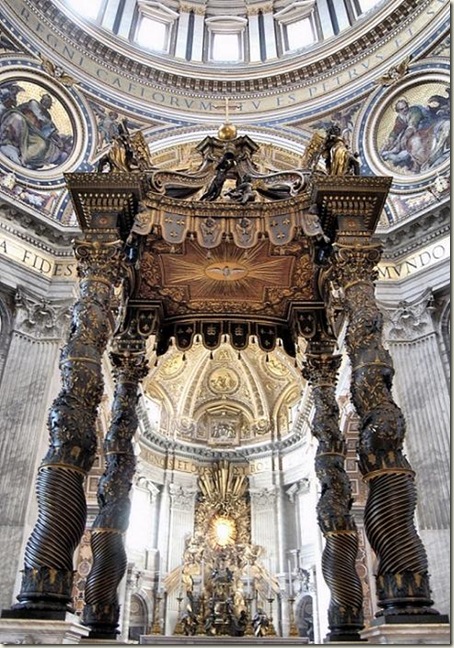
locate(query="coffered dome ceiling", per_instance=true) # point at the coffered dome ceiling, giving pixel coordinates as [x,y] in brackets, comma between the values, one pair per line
[223,399]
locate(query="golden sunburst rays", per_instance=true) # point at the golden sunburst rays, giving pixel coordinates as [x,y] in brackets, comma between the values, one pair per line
[222,531]
[227,272]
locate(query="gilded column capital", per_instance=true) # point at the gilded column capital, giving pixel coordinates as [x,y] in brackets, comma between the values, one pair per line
[355,264]
[321,369]
[99,261]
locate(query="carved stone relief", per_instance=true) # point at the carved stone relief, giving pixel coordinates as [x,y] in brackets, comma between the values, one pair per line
[40,319]
[409,321]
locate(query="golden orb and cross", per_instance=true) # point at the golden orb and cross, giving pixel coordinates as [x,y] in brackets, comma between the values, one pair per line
[227,131]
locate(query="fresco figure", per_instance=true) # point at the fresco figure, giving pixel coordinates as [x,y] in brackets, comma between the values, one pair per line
[420,136]
[29,136]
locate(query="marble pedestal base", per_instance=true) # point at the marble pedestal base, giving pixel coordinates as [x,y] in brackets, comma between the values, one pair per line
[408,633]
[42,631]
[222,640]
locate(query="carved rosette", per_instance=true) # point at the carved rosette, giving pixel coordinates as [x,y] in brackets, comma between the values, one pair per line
[47,575]
[345,616]
[101,611]
[402,578]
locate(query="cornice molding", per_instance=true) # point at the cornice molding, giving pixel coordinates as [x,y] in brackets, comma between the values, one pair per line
[415,234]
[202,79]
[46,236]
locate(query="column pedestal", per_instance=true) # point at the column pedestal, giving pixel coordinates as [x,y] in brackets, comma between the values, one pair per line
[42,631]
[407,633]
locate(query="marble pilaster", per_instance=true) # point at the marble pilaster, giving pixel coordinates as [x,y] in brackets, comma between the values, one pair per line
[197,42]
[270,37]
[182,34]
[254,37]
[38,328]
[423,395]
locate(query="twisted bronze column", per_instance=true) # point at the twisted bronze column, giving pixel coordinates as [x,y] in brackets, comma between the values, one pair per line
[48,571]
[101,611]
[345,615]
[402,577]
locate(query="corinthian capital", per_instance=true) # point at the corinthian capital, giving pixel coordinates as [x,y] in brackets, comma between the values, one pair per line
[409,321]
[99,261]
[40,319]
[355,264]
[320,369]
[182,497]
[263,499]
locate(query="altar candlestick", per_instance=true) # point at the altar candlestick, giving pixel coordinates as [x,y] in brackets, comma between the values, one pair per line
[290,584]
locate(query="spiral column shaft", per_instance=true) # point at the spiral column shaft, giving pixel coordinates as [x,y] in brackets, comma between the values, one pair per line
[345,614]
[101,611]
[402,577]
[48,571]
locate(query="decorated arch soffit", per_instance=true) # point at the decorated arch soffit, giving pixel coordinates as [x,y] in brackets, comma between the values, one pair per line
[224,400]
[400,51]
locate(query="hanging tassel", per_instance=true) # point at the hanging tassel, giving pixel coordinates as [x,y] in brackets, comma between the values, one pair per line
[208,254]
[267,358]
[239,355]
[184,357]
[211,355]
[156,362]
[296,364]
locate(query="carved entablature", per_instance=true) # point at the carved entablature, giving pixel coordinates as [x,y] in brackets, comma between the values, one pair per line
[351,204]
[225,250]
